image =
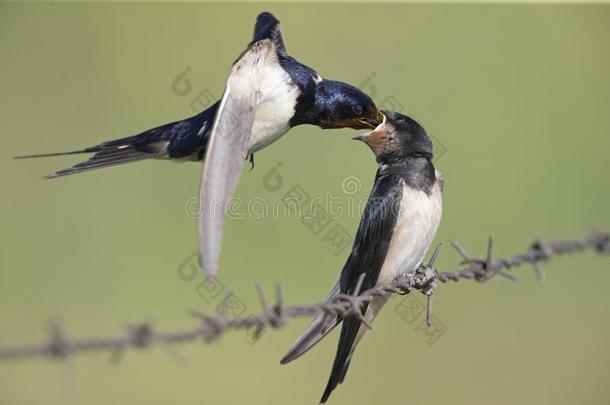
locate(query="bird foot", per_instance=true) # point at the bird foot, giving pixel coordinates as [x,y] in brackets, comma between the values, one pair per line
[427,281]
[251,161]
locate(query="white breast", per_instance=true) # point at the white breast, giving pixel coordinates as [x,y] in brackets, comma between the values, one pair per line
[276,107]
[417,223]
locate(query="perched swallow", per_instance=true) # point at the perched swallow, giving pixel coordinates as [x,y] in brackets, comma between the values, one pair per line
[397,227]
[267,93]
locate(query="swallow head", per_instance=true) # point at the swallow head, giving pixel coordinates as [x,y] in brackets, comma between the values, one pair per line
[341,105]
[398,137]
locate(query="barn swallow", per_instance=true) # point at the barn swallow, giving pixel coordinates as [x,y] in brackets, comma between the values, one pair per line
[397,227]
[267,93]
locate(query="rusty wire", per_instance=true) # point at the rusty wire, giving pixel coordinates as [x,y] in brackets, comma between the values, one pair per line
[208,328]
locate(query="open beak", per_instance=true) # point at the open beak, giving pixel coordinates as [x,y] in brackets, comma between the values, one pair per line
[374,139]
[373,122]
[366,123]
[380,118]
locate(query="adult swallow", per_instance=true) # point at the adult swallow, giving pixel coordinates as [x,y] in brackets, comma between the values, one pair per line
[397,227]
[267,93]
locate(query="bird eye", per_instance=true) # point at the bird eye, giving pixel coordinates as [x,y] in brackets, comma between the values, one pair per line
[357,109]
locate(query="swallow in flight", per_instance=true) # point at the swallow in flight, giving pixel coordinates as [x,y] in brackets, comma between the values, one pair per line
[397,228]
[267,93]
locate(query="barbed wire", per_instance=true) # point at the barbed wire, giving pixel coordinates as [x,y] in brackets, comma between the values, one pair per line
[208,328]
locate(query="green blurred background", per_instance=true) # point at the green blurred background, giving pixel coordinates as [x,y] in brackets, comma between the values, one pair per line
[518,96]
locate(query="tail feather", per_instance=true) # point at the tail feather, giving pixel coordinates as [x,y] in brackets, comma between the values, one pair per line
[102,159]
[111,153]
[107,154]
[319,327]
[347,341]
[351,333]
[73,152]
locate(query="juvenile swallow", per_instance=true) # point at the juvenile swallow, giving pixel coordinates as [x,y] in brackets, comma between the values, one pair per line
[397,227]
[267,93]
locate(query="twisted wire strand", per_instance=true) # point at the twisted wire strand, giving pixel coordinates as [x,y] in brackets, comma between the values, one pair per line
[59,346]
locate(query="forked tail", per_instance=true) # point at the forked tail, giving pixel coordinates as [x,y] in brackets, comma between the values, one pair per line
[176,140]
[106,155]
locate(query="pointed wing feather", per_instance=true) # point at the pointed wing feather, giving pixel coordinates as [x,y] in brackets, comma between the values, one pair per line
[268,27]
[368,254]
[228,147]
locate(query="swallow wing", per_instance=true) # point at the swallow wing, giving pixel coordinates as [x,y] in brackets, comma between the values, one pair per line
[367,257]
[268,27]
[368,252]
[253,76]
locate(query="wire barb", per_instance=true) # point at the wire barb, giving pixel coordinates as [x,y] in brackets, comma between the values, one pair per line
[429,310]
